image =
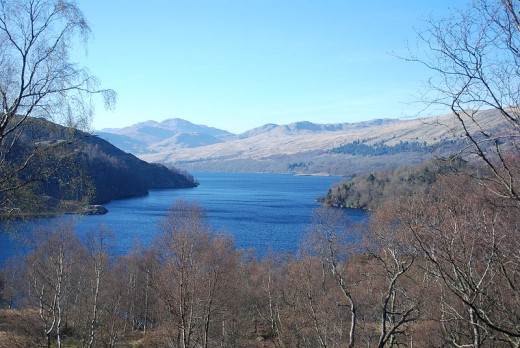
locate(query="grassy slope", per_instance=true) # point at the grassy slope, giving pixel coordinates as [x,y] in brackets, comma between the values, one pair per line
[276,150]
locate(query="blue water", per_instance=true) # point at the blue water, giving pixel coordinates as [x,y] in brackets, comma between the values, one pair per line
[260,211]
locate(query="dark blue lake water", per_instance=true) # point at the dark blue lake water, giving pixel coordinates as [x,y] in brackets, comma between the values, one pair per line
[260,211]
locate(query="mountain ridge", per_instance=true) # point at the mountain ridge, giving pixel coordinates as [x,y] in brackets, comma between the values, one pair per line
[305,147]
[142,137]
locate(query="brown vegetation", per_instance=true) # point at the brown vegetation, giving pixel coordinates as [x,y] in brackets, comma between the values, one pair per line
[432,268]
[437,269]
[371,191]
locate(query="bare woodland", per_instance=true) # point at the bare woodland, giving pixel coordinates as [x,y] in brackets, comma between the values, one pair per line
[439,268]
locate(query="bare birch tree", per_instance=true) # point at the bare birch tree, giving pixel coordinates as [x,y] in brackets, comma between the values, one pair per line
[334,243]
[38,80]
[399,295]
[471,245]
[50,267]
[195,267]
[474,55]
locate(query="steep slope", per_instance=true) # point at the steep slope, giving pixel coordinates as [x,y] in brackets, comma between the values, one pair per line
[73,168]
[128,143]
[258,130]
[117,174]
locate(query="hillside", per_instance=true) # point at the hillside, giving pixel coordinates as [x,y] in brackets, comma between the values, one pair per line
[77,169]
[303,147]
[371,190]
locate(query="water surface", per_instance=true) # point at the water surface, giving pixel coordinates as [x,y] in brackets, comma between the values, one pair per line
[260,211]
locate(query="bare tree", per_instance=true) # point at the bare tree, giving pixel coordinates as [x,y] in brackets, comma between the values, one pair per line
[95,271]
[313,315]
[38,80]
[334,242]
[475,57]
[195,266]
[471,245]
[400,300]
[50,267]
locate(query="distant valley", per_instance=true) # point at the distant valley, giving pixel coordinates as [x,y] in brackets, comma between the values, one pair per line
[299,148]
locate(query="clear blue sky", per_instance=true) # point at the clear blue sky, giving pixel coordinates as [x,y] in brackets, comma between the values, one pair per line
[238,64]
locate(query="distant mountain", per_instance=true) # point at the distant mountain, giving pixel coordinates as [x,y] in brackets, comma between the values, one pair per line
[185,140]
[257,131]
[306,147]
[126,142]
[151,137]
[142,137]
[79,169]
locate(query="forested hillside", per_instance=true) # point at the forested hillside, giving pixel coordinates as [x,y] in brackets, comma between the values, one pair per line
[372,190]
[72,170]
